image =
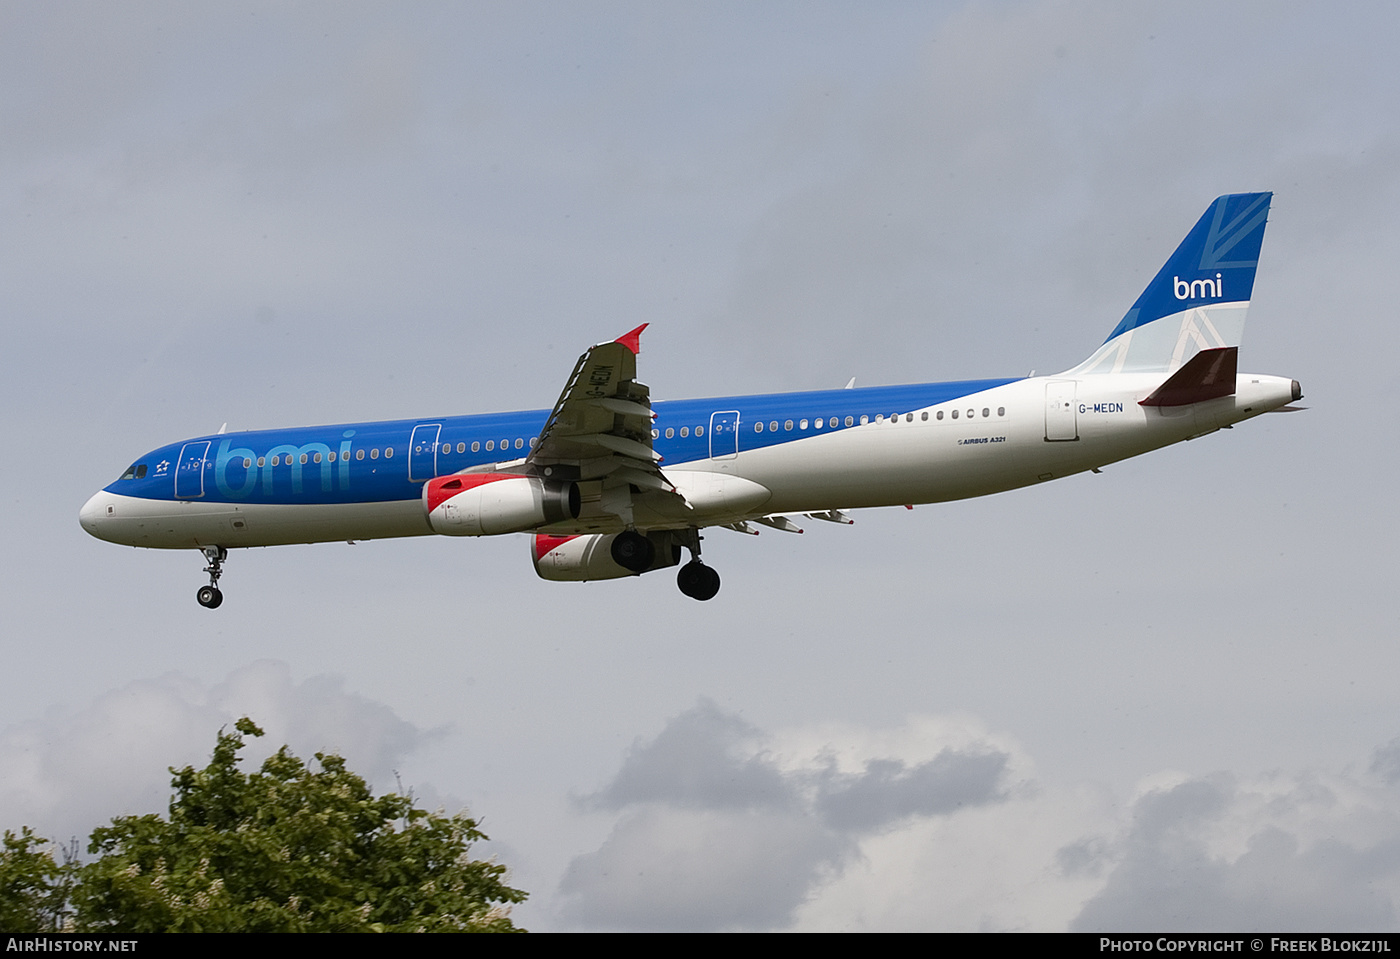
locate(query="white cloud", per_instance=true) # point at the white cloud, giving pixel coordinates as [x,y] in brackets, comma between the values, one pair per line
[72,771]
[939,824]
[723,827]
[1283,852]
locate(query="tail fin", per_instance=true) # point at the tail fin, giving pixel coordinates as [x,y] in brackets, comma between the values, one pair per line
[1198,300]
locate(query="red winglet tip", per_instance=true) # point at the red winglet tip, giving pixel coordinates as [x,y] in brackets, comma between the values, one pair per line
[633,340]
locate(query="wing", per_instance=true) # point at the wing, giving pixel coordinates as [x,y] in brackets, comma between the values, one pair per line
[599,434]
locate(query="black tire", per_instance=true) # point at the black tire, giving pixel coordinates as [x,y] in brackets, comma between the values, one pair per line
[633,551]
[209,597]
[698,581]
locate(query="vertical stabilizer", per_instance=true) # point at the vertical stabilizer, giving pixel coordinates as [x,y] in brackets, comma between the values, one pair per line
[1198,300]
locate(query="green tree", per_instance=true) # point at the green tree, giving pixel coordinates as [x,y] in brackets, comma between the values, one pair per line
[285,849]
[33,886]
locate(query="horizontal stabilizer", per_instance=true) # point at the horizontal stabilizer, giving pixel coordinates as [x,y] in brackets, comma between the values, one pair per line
[1208,375]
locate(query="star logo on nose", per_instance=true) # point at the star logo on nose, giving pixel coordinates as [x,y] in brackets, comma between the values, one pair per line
[162,466]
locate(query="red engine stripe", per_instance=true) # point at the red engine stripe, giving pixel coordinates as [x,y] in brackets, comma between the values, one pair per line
[544,542]
[443,488]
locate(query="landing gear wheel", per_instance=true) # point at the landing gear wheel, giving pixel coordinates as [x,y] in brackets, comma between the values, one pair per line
[633,551]
[210,596]
[698,581]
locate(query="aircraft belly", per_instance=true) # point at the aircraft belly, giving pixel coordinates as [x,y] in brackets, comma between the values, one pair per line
[180,524]
[888,464]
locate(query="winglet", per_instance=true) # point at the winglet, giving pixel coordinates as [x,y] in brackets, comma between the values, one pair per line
[633,340]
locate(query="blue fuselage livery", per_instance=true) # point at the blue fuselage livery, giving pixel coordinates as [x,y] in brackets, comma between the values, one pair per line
[611,484]
[387,461]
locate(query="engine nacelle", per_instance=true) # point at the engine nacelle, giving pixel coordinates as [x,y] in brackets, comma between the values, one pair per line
[578,558]
[485,504]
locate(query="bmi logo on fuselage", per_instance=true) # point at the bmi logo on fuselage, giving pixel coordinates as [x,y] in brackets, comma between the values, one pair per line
[1196,289]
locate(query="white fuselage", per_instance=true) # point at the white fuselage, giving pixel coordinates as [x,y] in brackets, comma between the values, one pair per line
[1012,435]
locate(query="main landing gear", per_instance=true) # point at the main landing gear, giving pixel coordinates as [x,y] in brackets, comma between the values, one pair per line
[695,579]
[211,596]
[637,553]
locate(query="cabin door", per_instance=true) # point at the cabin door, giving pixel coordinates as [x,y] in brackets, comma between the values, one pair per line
[189,472]
[422,452]
[1061,423]
[724,435]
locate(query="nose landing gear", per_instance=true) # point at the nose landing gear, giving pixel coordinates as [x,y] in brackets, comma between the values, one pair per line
[211,596]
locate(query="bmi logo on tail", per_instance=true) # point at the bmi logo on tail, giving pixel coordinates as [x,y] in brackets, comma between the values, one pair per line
[1196,289]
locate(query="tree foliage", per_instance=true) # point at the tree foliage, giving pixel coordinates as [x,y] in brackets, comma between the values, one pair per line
[33,886]
[286,849]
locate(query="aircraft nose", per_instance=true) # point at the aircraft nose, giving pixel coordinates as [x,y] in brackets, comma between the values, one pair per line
[94,511]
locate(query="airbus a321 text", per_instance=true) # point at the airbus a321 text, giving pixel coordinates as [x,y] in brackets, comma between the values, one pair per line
[609,484]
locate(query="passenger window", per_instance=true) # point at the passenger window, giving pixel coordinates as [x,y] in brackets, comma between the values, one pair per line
[533,441]
[922,416]
[787,425]
[247,463]
[699,431]
[758,427]
[490,445]
[802,424]
[1001,411]
[685,431]
[388,452]
[303,459]
[955,414]
[373,454]
[476,446]
[773,425]
[670,433]
[879,418]
[850,421]
[656,434]
[359,454]
[863,420]
[986,412]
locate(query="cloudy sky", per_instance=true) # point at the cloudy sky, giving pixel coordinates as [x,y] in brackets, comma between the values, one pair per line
[1158,698]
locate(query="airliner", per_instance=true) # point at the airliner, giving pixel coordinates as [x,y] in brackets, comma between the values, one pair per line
[609,484]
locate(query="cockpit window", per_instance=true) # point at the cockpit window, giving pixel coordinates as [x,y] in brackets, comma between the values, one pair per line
[135,471]
[141,471]
[130,473]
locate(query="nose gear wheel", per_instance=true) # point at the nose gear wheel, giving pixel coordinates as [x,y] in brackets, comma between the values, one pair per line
[211,596]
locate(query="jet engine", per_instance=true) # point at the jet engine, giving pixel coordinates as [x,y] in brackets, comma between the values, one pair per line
[590,556]
[484,504]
